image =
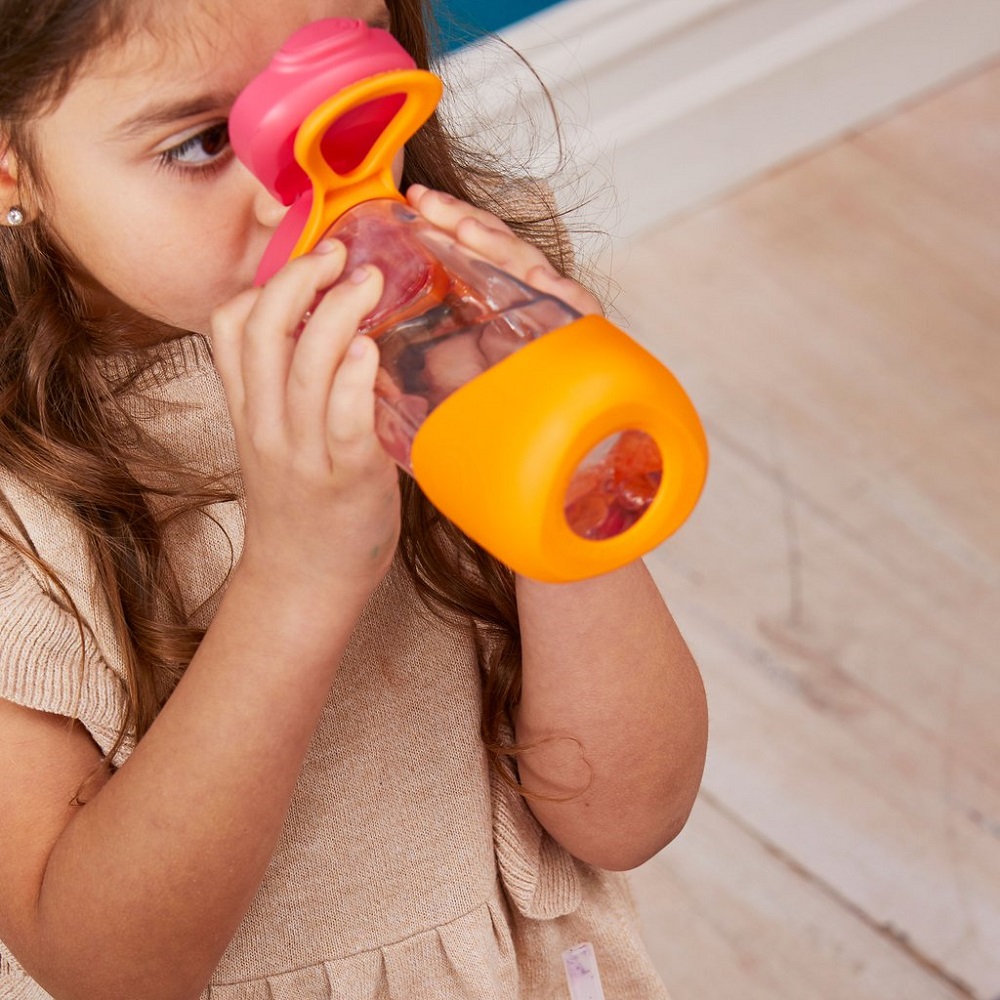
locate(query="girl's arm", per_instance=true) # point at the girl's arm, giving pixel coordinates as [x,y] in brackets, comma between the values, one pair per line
[613,708]
[612,704]
[138,892]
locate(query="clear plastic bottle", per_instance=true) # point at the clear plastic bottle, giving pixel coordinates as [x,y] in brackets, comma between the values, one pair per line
[445,317]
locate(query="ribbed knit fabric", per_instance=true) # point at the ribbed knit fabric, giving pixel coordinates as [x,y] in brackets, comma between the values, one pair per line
[406,868]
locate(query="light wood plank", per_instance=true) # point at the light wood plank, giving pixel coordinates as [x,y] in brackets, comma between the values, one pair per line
[846,356]
[947,144]
[837,326]
[728,916]
[807,754]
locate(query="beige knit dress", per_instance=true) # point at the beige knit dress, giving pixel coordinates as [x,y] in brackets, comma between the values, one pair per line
[405,870]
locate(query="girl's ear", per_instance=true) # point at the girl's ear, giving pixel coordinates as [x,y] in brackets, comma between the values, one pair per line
[12,210]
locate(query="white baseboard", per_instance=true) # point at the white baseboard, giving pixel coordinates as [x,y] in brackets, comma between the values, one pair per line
[679,101]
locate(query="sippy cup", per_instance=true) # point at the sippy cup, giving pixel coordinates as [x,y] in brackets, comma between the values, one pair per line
[552,439]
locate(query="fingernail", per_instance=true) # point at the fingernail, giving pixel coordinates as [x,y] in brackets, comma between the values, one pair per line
[327,246]
[357,347]
[416,189]
[360,275]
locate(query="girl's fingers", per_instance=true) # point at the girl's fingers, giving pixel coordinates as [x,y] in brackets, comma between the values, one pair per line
[482,233]
[269,341]
[488,237]
[545,279]
[227,325]
[350,423]
[323,349]
[503,248]
[446,212]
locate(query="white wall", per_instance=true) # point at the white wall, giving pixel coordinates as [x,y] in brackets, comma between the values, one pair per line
[678,101]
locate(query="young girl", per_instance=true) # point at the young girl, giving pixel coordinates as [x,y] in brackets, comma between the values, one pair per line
[269,727]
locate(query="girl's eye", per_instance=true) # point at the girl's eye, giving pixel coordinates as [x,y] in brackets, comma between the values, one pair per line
[201,152]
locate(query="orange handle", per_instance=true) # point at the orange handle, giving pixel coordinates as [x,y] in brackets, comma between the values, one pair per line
[335,193]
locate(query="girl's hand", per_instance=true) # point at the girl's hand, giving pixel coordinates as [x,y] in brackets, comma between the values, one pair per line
[322,495]
[492,239]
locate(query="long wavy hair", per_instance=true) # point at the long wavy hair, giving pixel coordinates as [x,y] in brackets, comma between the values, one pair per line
[61,430]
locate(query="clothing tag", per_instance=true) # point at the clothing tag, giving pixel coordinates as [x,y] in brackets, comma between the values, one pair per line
[581,973]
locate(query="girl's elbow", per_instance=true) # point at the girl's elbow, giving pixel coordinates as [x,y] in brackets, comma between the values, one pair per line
[631,841]
[632,852]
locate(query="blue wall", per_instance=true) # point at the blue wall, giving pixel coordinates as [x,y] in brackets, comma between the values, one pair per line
[463,20]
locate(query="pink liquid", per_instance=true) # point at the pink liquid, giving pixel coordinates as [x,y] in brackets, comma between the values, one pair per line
[614,486]
[445,316]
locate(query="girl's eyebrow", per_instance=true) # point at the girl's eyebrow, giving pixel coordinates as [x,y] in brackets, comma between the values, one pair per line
[157,115]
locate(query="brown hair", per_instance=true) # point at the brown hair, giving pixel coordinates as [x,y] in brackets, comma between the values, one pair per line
[61,430]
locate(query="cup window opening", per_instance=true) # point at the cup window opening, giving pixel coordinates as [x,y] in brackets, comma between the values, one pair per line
[614,485]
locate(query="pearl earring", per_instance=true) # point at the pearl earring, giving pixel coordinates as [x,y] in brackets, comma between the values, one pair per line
[15,217]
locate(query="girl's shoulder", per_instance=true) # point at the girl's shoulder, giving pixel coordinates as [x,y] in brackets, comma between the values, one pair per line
[40,536]
[53,657]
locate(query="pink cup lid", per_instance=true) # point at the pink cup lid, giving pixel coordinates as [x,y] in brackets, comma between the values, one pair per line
[316,62]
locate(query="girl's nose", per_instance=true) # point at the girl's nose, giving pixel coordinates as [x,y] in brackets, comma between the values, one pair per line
[267,209]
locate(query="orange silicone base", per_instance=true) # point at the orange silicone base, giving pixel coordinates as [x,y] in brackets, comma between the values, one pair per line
[497,456]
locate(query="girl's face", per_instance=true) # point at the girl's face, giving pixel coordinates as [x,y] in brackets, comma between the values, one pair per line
[141,186]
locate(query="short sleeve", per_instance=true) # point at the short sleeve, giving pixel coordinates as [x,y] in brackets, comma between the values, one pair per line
[540,877]
[49,661]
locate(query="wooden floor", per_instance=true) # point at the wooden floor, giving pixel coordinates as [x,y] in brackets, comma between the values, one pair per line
[838,325]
